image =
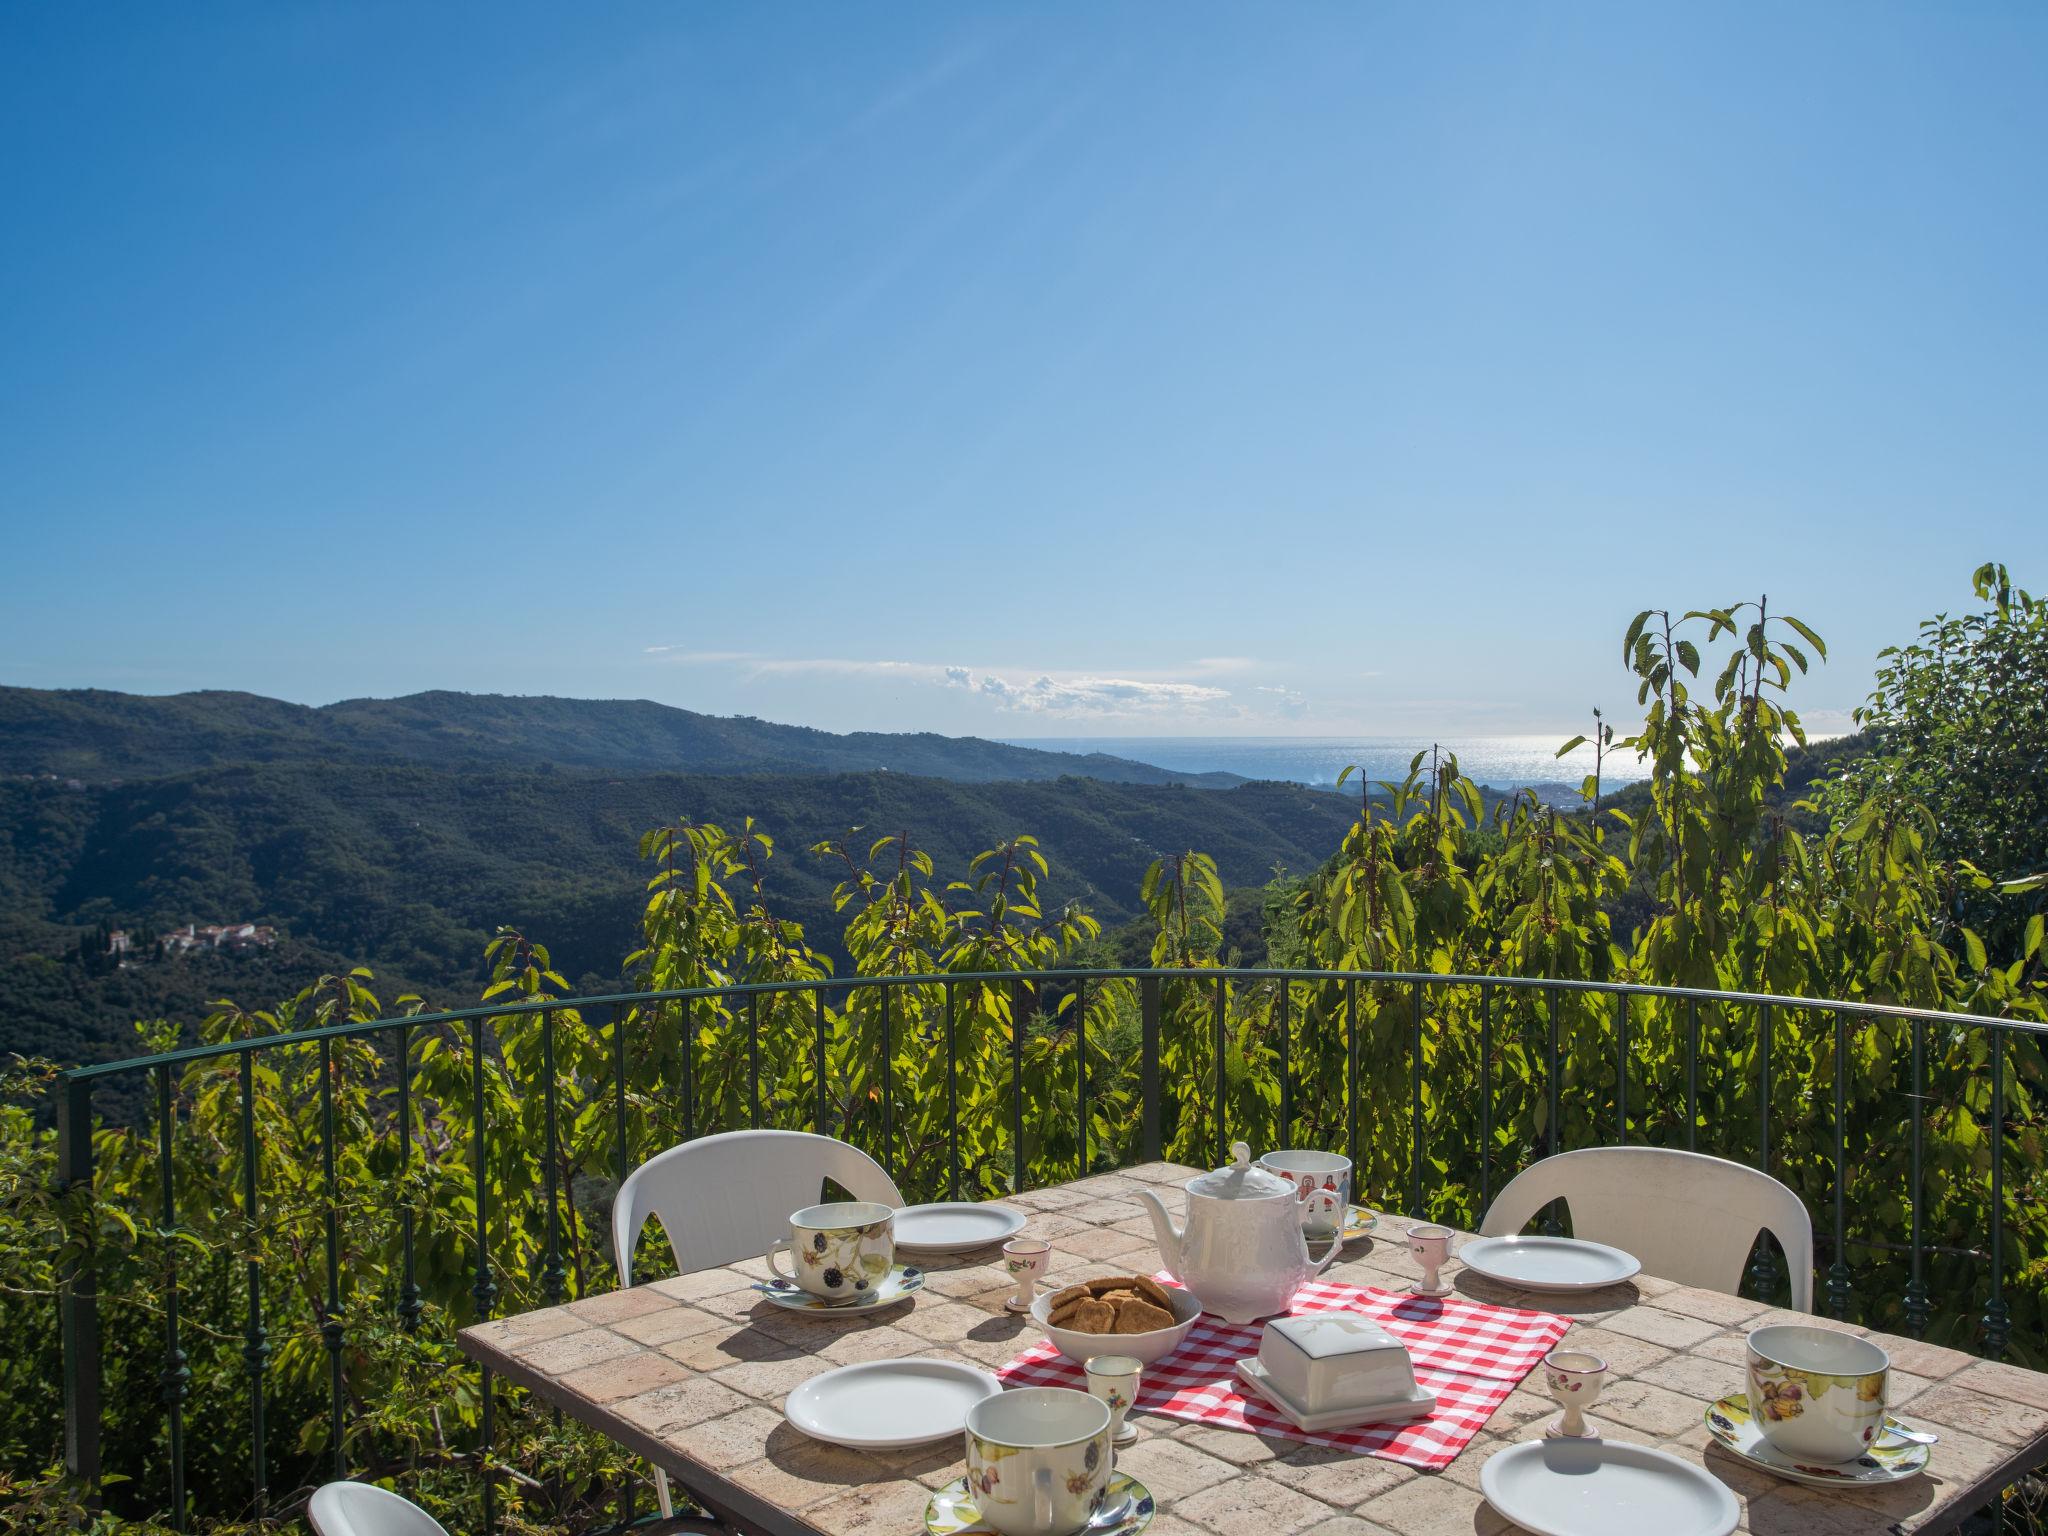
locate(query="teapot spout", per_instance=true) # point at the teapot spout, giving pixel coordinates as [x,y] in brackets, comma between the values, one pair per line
[1166,1232]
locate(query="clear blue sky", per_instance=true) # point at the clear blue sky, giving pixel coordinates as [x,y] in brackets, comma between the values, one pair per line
[1008,369]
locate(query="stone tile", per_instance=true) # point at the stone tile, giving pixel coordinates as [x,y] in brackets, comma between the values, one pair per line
[1992,1418]
[573,1351]
[1106,1213]
[741,1306]
[515,1334]
[1246,1505]
[668,1325]
[1694,1376]
[939,1320]
[873,1344]
[1340,1479]
[1464,1470]
[617,1306]
[679,1406]
[2000,1380]
[708,1352]
[1168,1523]
[724,1443]
[1728,1348]
[769,1381]
[1056,1227]
[1427,1506]
[1348,1525]
[699,1283]
[1173,1469]
[1107,1243]
[1929,1360]
[1651,1286]
[959,1284]
[1650,1412]
[814,1330]
[782,1487]
[1709,1306]
[1524,1405]
[1666,1328]
[1624,1355]
[1106,1186]
[1239,1447]
[1161,1173]
[1055,1199]
[630,1376]
[890,1508]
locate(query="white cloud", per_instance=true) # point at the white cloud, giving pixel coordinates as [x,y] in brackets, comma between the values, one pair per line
[1290,702]
[1081,696]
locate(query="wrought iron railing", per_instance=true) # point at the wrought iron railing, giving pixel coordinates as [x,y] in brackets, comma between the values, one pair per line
[1522,1033]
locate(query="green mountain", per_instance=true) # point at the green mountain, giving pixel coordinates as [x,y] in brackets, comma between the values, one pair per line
[96,735]
[407,867]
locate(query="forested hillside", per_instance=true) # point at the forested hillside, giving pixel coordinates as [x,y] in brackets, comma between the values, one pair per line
[96,735]
[409,868]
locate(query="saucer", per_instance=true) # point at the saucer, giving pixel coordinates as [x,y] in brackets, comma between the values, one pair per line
[1732,1424]
[900,1284]
[1127,1505]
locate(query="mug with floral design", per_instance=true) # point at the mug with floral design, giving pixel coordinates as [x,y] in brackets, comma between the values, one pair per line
[1322,1183]
[1818,1394]
[842,1249]
[1038,1460]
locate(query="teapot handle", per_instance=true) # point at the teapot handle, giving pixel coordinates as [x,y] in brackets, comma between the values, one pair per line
[1336,1224]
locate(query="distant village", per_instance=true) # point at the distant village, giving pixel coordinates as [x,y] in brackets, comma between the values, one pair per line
[109,949]
[179,941]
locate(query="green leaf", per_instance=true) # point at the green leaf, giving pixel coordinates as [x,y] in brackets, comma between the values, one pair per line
[1571,746]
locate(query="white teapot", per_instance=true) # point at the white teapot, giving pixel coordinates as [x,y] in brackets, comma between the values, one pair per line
[1241,1251]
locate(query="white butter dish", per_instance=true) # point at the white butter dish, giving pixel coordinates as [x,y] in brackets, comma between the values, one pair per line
[1415,1404]
[1325,1361]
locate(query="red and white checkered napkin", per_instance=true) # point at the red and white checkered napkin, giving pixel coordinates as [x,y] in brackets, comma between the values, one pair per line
[1469,1354]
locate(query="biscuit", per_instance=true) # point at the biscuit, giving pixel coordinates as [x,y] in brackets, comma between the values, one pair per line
[1067,1297]
[1136,1316]
[1092,1317]
[1152,1291]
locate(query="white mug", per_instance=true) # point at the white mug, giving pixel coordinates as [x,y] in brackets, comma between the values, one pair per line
[1818,1394]
[1038,1460]
[842,1250]
[1316,1175]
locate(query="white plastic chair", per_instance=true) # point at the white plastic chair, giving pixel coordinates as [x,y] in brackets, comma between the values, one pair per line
[358,1509]
[727,1197]
[1689,1217]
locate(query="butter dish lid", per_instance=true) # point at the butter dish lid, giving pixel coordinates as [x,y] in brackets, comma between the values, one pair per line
[1326,1335]
[1241,1180]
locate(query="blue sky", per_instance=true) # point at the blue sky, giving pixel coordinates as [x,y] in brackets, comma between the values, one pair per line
[1059,370]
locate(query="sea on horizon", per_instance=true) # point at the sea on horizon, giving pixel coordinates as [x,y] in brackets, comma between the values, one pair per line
[1501,762]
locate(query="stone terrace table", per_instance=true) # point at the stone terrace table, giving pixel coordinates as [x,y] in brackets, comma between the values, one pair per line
[691,1373]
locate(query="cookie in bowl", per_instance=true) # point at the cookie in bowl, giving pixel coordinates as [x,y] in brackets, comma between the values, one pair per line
[1147,1320]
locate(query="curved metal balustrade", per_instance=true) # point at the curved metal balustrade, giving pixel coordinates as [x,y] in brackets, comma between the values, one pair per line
[1158,1101]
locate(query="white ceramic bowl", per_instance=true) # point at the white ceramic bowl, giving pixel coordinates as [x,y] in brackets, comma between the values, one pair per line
[1148,1347]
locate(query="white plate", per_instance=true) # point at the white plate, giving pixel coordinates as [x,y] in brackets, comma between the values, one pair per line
[880,1404]
[954,1226]
[1605,1488]
[1548,1263]
[1419,1404]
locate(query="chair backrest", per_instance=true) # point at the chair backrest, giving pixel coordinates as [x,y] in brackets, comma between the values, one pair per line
[1689,1217]
[357,1509]
[729,1196]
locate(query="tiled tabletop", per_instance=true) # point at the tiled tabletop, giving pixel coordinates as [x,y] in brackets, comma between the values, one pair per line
[691,1373]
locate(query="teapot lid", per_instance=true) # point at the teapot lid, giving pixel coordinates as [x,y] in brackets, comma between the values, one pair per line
[1240,1181]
